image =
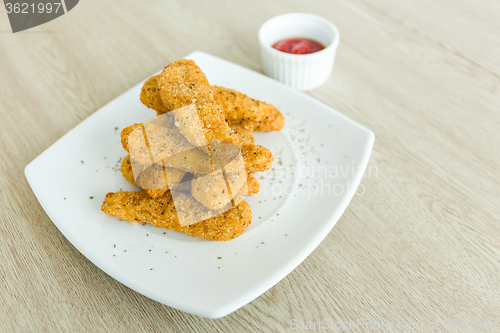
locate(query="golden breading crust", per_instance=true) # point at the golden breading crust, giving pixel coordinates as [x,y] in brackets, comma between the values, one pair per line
[275,124]
[182,83]
[150,95]
[217,189]
[246,134]
[167,146]
[126,169]
[257,158]
[211,190]
[140,207]
[252,185]
[238,108]
[241,108]
[125,133]
[175,175]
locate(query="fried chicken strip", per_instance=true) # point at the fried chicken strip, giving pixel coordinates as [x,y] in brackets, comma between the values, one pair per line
[150,176]
[257,158]
[246,134]
[182,83]
[161,212]
[168,147]
[274,124]
[238,108]
[253,185]
[211,190]
[150,96]
[126,169]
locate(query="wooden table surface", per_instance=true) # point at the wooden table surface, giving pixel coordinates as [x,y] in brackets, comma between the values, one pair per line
[421,244]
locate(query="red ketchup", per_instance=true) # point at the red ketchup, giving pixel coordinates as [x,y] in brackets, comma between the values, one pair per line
[298,46]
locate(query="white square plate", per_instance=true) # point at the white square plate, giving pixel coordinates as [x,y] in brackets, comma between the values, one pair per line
[320,157]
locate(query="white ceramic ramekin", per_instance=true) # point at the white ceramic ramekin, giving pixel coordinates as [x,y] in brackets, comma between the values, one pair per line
[300,71]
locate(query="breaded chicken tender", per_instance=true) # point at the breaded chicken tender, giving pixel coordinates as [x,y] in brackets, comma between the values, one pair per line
[182,83]
[161,212]
[195,165]
[190,126]
[182,183]
[193,161]
[227,183]
[126,169]
[246,134]
[253,185]
[154,142]
[274,124]
[125,133]
[257,158]
[241,108]
[150,96]
[238,108]
[211,190]
[149,179]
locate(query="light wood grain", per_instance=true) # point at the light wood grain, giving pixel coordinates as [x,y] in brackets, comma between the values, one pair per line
[422,242]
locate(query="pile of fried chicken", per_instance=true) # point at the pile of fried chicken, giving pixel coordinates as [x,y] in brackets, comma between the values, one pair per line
[227,116]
